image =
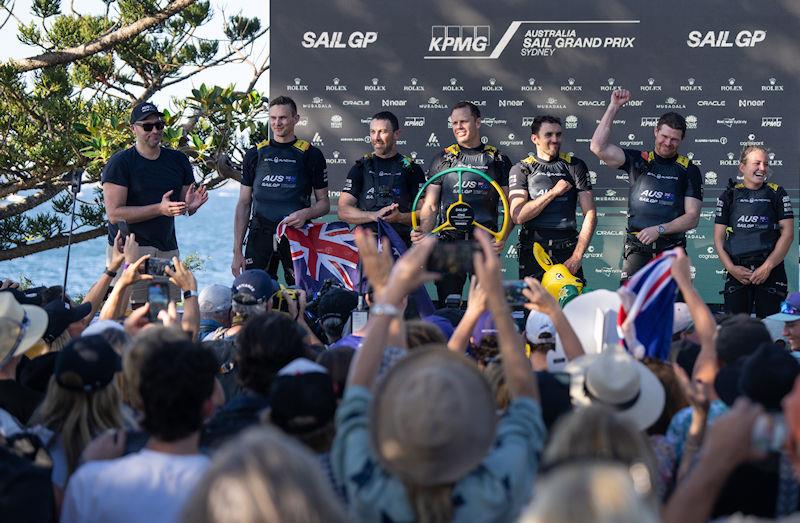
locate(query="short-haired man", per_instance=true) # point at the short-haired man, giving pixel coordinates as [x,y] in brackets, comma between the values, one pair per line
[147,185]
[383,183]
[546,188]
[666,189]
[278,177]
[468,151]
[177,385]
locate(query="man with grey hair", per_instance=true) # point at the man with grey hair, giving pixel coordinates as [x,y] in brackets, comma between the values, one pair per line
[215,308]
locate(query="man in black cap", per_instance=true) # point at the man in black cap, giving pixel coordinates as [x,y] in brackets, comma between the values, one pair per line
[147,185]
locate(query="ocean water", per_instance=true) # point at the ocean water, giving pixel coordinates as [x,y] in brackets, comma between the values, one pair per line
[208,234]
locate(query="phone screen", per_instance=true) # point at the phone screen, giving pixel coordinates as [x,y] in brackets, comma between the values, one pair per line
[158,298]
[452,257]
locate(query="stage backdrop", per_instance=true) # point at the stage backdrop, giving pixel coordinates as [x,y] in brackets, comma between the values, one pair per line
[729,66]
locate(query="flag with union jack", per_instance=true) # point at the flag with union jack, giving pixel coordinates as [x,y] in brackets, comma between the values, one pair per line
[322,251]
[645,316]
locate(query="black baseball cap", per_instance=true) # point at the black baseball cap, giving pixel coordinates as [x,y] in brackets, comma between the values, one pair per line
[143,110]
[302,398]
[87,364]
[255,282]
[337,303]
[60,315]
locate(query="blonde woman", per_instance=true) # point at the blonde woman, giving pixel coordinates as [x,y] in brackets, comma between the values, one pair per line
[82,401]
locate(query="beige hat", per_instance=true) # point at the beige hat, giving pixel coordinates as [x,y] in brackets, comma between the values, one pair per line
[21,326]
[433,418]
[615,379]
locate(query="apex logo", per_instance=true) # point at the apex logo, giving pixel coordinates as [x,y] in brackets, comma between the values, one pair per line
[459,38]
[433,141]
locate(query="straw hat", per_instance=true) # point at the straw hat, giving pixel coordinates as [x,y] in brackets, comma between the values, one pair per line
[28,324]
[433,418]
[615,379]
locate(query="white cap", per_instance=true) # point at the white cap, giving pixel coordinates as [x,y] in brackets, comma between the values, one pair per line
[538,324]
[682,318]
[215,298]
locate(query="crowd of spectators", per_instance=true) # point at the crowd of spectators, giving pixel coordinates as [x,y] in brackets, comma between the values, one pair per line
[251,402]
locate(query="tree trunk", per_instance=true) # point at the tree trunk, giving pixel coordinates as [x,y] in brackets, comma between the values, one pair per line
[51,243]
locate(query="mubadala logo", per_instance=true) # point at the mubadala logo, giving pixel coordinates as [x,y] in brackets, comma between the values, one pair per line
[710,103]
[393,103]
[772,85]
[609,85]
[512,140]
[731,121]
[459,38]
[337,159]
[433,103]
[433,141]
[492,121]
[729,161]
[317,103]
[317,140]
[690,85]
[571,86]
[492,86]
[751,103]
[336,40]
[651,85]
[551,103]
[649,121]
[510,103]
[670,103]
[414,86]
[591,103]
[414,121]
[710,178]
[375,85]
[731,86]
[297,85]
[571,121]
[773,161]
[336,85]
[336,121]
[531,86]
[771,121]
[691,122]
[723,38]
[452,86]
[357,103]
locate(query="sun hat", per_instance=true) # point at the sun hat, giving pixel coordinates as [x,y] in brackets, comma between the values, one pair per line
[583,316]
[22,326]
[615,379]
[433,418]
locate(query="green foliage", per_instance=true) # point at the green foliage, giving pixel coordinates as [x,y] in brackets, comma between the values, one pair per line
[75,115]
[194,262]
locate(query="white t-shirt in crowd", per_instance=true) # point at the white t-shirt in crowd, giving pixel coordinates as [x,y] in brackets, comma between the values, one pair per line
[146,486]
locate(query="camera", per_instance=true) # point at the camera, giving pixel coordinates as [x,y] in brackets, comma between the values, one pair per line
[452,257]
[514,295]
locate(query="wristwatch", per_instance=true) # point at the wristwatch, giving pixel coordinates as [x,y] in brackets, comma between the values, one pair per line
[190,293]
[661,229]
[384,309]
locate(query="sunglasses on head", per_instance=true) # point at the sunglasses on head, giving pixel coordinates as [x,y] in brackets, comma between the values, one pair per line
[788,308]
[149,126]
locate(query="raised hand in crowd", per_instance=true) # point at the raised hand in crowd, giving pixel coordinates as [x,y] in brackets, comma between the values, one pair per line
[376,264]
[698,394]
[99,290]
[541,300]
[117,301]
[476,305]
[385,323]
[727,445]
[9,284]
[516,367]
[183,278]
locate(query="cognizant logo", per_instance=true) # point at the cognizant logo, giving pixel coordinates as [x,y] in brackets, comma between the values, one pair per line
[459,38]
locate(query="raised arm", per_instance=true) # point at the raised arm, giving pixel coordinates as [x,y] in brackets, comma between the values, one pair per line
[609,153]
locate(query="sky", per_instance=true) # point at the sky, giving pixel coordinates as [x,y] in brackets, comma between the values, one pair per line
[239,74]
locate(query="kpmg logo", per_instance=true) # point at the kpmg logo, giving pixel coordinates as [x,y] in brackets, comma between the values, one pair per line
[459,39]
[649,121]
[771,121]
[527,121]
[414,121]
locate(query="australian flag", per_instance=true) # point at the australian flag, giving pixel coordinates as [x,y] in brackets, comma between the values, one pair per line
[421,297]
[322,251]
[645,317]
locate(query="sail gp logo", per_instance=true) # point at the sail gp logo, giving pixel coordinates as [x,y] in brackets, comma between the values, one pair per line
[447,39]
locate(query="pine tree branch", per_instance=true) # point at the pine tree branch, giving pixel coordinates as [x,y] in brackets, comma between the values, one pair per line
[71,54]
[32,201]
[51,243]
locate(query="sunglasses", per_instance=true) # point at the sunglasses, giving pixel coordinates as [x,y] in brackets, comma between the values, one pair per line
[150,125]
[15,333]
[788,308]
